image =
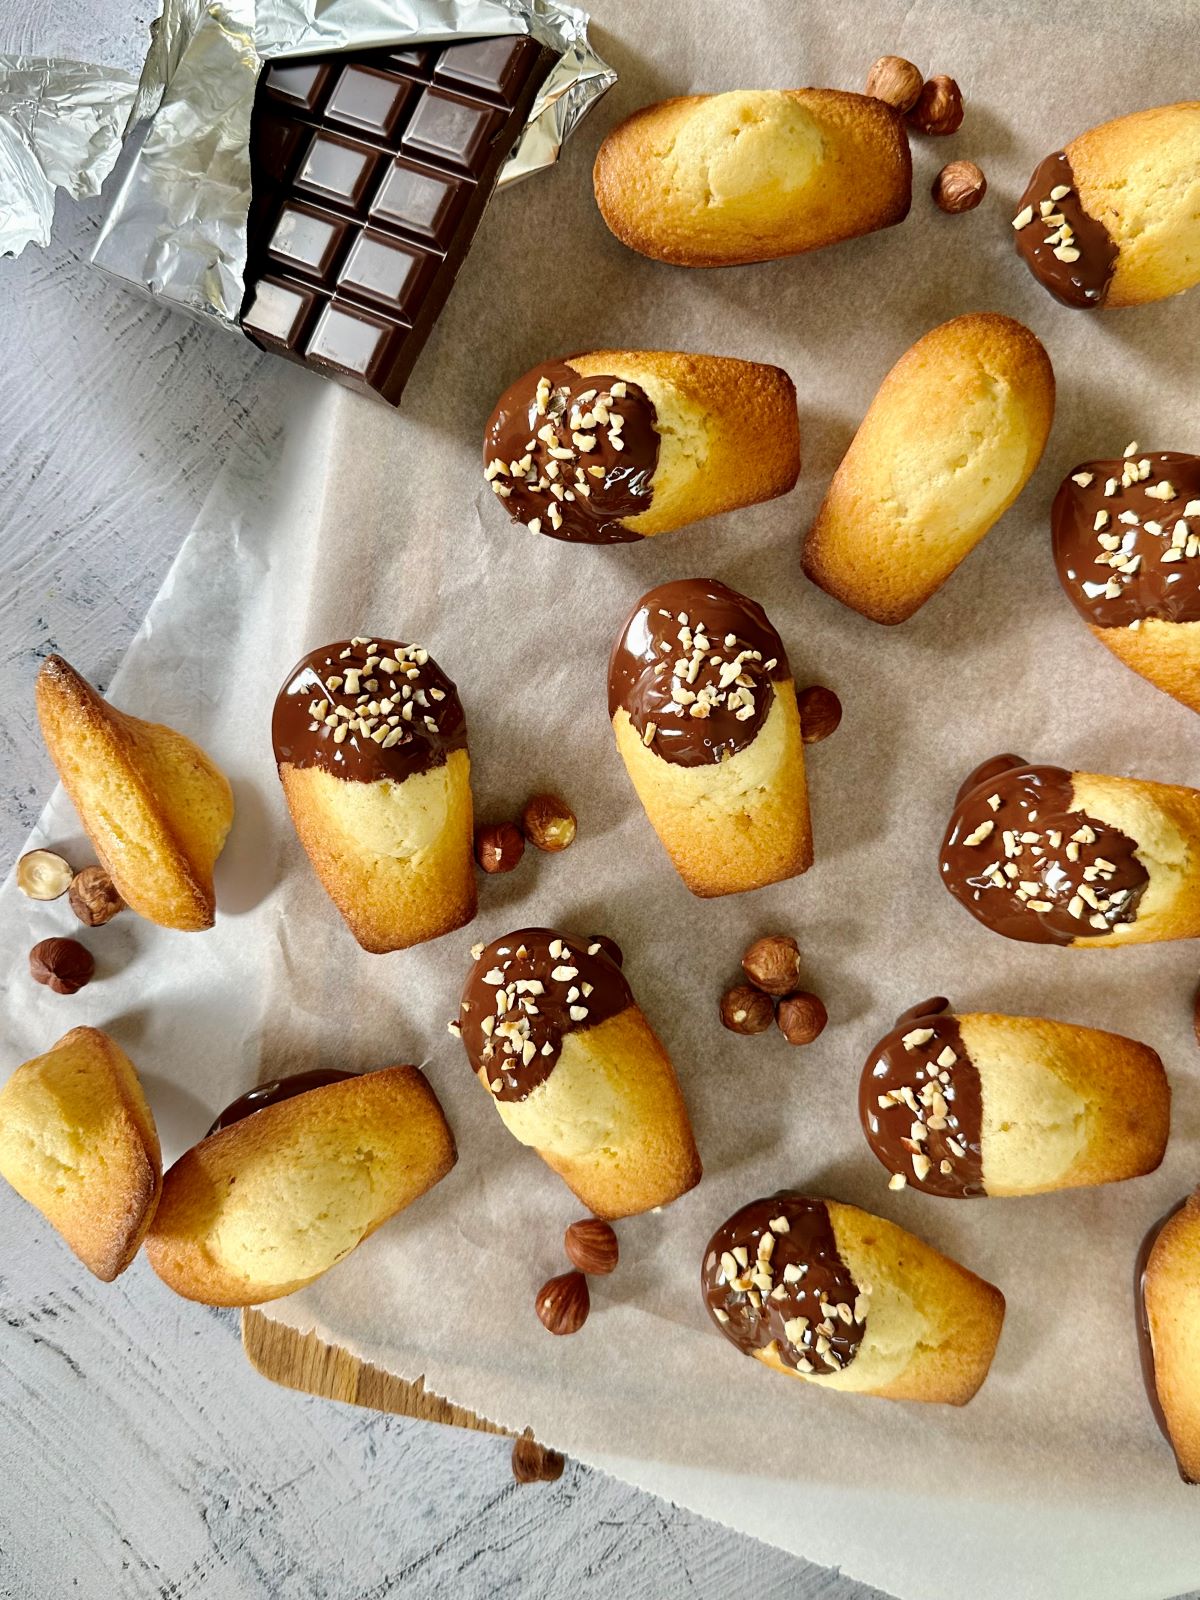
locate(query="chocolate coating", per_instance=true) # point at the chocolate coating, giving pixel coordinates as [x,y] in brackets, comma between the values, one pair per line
[758,1299]
[400,712]
[570,456]
[1145,1340]
[1081,281]
[270,1094]
[368,185]
[526,991]
[1144,558]
[1029,865]
[911,1080]
[695,666]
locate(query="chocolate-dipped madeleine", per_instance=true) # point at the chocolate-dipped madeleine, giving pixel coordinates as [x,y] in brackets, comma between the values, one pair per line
[553,1032]
[825,1292]
[1074,858]
[1167,1299]
[1114,218]
[371,745]
[619,445]
[1127,547]
[703,708]
[984,1104]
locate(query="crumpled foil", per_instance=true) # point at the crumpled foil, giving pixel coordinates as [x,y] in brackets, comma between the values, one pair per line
[61,127]
[176,227]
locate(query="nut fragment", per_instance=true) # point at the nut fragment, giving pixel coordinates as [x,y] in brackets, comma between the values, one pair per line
[549,823]
[563,1303]
[533,1463]
[610,947]
[42,875]
[939,107]
[820,712]
[959,186]
[63,965]
[896,81]
[747,1010]
[801,1017]
[94,897]
[773,963]
[592,1246]
[499,846]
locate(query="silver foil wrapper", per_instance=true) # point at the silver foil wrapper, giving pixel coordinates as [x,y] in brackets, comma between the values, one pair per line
[176,227]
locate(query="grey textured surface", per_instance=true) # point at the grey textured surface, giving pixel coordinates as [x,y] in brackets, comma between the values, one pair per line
[139,1453]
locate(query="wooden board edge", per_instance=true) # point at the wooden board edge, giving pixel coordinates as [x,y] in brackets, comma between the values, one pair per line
[305,1362]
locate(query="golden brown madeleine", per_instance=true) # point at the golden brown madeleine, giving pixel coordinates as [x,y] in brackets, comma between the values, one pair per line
[715,180]
[1057,857]
[831,1294]
[155,807]
[272,1201]
[1114,219]
[703,707]
[78,1141]
[371,745]
[553,1032]
[1167,1297]
[1127,547]
[949,442]
[984,1104]
[619,445]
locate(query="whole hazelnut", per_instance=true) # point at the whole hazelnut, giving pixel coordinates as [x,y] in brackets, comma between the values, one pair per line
[610,947]
[820,712]
[563,1303]
[939,107]
[773,963]
[63,965]
[896,81]
[801,1018]
[42,875]
[94,898]
[499,846]
[959,186]
[549,823]
[533,1463]
[591,1245]
[747,1010]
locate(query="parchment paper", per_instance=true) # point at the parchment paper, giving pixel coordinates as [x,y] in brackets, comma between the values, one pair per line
[1054,1482]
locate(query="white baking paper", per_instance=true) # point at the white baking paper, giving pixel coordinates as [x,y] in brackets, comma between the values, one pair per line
[1054,1482]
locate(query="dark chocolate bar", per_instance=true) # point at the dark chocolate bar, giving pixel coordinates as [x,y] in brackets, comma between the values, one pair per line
[370,172]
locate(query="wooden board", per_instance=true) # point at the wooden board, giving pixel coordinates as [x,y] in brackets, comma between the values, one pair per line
[302,1361]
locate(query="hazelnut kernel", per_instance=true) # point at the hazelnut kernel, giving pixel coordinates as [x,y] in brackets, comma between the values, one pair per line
[549,823]
[958,187]
[773,963]
[747,1010]
[801,1018]
[43,875]
[563,1303]
[499,846]
[939,107]
[94,898]
[63,965]
[591,1245]
[895,81]
[533,1462]
[820,713]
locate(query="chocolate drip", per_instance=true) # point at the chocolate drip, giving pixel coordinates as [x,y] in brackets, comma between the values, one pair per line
[1127,538]
[1080,273]
[525,992]
[920,1076]
[767,1275]
[270,1094]
[1028,865]
[400,713]
[1145,1338]
[695,667]
[571,457]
